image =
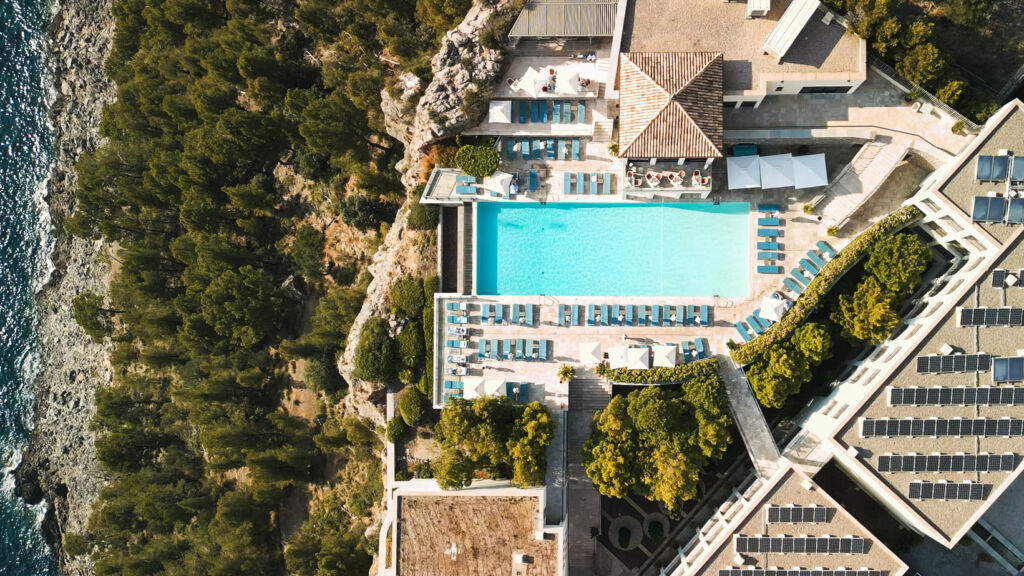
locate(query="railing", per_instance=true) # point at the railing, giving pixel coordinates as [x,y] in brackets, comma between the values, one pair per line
[923,94]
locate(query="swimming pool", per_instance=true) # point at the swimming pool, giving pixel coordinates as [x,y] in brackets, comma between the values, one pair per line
[575,249]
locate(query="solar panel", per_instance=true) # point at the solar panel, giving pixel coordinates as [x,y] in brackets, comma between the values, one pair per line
[920,490]
[922,364]
[983,168]
[967,316]
[946,364]
[998,278]
[799,544]
[793,514]
[971,363]
[959,396]
[911,427]
[1003,317]
[959,362]
[1017,171]
[1015,215]
[1000,168]
[991,316]
[1016,317]
[797,572]
[932,463]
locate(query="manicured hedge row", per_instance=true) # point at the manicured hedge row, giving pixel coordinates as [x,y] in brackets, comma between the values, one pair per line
[477,161]
[657,375]
[822,283]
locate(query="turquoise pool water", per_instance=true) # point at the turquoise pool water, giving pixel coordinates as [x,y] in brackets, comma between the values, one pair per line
[563,249]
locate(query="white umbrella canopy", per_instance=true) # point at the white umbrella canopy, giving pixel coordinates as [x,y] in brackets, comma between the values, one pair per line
[532,81]
[590,353]
[472,387]
[498,182]
[773,308]
[618,356]
[665,355]
[743,172]
[809,171]
[567,83]
[638,358]
[776,171]
[500,112]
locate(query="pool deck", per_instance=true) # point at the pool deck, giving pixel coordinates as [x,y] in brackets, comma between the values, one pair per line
[800,232]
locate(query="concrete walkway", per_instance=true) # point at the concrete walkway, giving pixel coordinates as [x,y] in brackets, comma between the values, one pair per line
[554,476]
[746,412]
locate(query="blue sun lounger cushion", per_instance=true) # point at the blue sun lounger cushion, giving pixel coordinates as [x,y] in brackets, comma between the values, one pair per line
[580,189]
[684,349]
[796,288]
[754,325]
[768,222]
[656,315]
[629,315]
[768,208]
[698,344]
[796,273]
[680,315]
[566,112]
[763,269]
[542,351]
[824,247]
[810,267]
[615,314]
[515,314]
[705,314]
[604,315]
[529,314]
[768,232]
[606,181]
[743,332]
[769,246]
[568,184]
[499,312]
[556,112]
[510,149]
[523,111]
[581,112]
[534,178]
[575,148]
[561,314]
[818,261]
[593,183]
[590,314]
[641,315]
[520,347]
[575,314]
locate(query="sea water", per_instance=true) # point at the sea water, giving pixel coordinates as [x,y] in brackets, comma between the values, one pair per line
[24,163]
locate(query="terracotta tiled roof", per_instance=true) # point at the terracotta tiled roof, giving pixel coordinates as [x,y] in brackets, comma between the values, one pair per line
[670,105]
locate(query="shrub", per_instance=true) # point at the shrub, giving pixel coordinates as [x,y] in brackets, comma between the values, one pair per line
[657,375]
[959,128]
[321,375]
[867,315]
[477,161]
[403,475]
[861,246]
[396,429]
[307,252]
[968,13]
[923,64]
[366,213]
[375,354]
[410,405]
[951,92]
[423,470]
[898,261]
[406,296]
[423,216]
[566,373]
[76,544]
[808,209]
[832,231]
[474,102]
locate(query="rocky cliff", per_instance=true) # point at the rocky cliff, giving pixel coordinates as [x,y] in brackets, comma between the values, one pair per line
[60,462]
[462,64]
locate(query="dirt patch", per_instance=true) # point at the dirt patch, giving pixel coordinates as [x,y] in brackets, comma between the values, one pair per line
[301,403]
[422,449]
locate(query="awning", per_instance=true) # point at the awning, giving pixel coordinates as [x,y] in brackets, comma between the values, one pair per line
[498,183]
[590,353]
[665,355]
[618,357]
[772,308]
[809,171]
[638,358]
[500,112]
[743,172]
[776,171]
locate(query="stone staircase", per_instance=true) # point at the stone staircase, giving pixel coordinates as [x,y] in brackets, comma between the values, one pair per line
[860,179]
[586,397]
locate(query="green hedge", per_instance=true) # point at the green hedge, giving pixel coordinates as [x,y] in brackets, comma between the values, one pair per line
[477,161]
[822,283]
[657,375]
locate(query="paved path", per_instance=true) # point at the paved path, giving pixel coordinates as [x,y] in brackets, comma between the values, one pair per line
[746,411]
[554,477]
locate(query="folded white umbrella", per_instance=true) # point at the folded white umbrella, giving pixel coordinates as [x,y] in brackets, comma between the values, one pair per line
[590,353]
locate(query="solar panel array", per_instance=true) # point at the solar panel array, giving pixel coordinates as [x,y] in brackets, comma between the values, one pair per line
[797,572]
[988,209]
[1008,369]
[959,396]
[800,544]
[914,427]
[793,514]
[992,168]
[992,317]
[892,463]
[935,364]
[947,491]
[999,278]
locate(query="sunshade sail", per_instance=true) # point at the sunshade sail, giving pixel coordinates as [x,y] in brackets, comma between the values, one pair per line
[776,171]
[743,172]
[809,171]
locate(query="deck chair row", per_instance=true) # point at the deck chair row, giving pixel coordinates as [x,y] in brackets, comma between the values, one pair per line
[542,148]
[550,111]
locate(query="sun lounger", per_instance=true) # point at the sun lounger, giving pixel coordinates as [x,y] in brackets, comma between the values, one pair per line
[551,149]
[466,190]
[453,306]
[575,148]
[615,314]
[515,314]
[510,149]
[561,149]
[452,385]
[542,350]
[568,184]
[581,112]
[523,105]
[769,256]
[556,112]
[543,112]
[689,314]
[457,344]
[524,145]
[590,314]
[538,149]
[824,247]
[629,315]
[605,313]
[764,269]
[810,267]
[641,315]
[769,222]
[561,314]
[457,319]
[482,348]
[754,325]
[580,189]
[528,353]
[534,178]
[566,112]
[534,111]
[768,233]
[813,256]
[528,311]
[769,246]
[656,315]
[575,314]
[743,332]
[519,349]
[764,323]
[499,311]
[593,183]
[766,208]
[506,349]
[705,314]
[495,352]
[684,351]
[796,273]
[698,345]
[680,315]
[793,286]
[606,182]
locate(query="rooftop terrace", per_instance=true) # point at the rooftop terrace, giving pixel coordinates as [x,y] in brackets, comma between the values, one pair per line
[824,51]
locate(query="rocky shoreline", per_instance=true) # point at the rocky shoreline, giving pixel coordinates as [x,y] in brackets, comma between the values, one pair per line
[60,465]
